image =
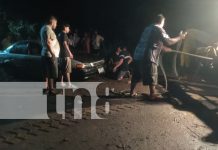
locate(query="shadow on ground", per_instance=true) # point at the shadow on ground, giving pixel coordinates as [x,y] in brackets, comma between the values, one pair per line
[209,117]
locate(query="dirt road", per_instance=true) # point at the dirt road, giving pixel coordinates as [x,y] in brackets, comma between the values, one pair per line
[179,122]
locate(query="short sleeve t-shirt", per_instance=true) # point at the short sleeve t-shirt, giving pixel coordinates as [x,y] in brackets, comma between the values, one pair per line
[150,44]
[62,37]
[46,33]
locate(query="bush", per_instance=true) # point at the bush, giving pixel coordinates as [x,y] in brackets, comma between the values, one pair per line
[22,29]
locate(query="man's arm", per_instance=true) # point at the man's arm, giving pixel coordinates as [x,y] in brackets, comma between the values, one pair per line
[66,46]
[166,49]
[172,41]
[130,59]
[49,43]
[118,65]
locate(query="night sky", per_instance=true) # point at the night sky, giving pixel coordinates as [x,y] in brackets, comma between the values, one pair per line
[124,19]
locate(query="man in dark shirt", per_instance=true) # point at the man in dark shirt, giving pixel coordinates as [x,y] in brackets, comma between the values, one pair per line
[123,65]
[146,56]
[116,56]
[65,56]
[115,59]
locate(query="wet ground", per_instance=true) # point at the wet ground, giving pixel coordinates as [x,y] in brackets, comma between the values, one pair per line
[186,119]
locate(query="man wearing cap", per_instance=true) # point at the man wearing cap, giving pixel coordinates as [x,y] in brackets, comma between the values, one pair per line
[65,66]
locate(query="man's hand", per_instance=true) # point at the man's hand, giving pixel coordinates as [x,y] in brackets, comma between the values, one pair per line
[53,57]
[183,35]
[166,49]
[71,55]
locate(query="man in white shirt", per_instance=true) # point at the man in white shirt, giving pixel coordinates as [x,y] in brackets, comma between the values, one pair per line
[50,53]
[97,41]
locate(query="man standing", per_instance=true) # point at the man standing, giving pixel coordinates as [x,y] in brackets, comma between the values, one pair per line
[65,56]
[74,41]
[146,56]
[50,53]
[97,43]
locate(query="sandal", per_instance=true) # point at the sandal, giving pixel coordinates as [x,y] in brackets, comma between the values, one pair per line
[134,95]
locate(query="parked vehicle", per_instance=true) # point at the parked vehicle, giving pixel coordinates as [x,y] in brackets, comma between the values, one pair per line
[22,60]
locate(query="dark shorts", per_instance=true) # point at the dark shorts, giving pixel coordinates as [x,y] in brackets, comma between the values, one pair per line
[145,72]
[65,65]
[50,67]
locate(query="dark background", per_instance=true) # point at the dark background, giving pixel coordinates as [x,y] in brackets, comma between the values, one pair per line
[121,20]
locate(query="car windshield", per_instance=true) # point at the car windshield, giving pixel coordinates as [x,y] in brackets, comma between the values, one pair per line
[18,48]
[8,49]
[34,48]
[29,48]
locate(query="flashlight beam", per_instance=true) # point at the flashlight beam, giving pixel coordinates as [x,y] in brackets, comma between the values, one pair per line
[193,55]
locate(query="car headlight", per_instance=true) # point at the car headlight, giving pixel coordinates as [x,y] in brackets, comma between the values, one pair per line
[80,66]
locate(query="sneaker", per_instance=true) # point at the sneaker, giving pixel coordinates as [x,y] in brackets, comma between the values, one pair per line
[71,86]
[134,95]
[62,84]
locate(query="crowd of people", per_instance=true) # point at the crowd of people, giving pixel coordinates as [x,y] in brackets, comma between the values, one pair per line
[57,52]
[91,42]
[145,60]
